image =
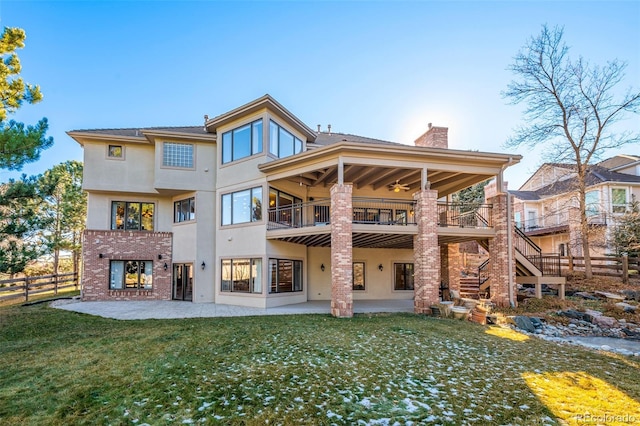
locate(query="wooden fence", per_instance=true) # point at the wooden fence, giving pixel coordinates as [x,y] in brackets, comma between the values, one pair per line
[623,267]
[26,286]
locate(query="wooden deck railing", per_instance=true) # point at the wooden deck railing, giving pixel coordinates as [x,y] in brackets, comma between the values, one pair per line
[26,286]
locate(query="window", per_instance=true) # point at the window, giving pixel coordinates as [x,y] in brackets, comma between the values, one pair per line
[242,206]
[132,216]
[518,219]
[177,155]
[115,151]
[592,203]
[184,210]
[282,143]
[285,208]
[285,276]
[242,275]
[242,142]
[618,200]
[403,276]
[358,275]
[131,275]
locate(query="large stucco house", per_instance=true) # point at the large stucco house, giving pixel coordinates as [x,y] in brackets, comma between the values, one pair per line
[255,208]
[546,205]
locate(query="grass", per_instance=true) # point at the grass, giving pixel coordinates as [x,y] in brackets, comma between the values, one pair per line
[64,368]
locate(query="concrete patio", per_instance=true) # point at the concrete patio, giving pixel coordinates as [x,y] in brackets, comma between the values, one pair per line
[170,309]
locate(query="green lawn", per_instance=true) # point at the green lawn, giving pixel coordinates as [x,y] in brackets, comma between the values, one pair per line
[60,367]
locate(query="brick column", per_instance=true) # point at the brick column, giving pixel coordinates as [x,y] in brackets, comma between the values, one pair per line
[426,252]
[341,251]
[454,265]
[499,253]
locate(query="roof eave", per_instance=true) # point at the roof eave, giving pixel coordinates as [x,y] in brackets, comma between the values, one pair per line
[82,137]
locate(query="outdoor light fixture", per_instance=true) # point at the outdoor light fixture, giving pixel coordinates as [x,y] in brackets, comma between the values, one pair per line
[203,265]
[380,267]
[322,267]
[165,266]
[100,255]
[159,257]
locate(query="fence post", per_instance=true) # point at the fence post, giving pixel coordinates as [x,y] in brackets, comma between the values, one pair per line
[26,289]
[625,269]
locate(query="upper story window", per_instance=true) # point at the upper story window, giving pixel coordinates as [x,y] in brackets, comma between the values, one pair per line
[592,203]
[242,142]
[618,200]
[281,142]
[132,216]
[177,155]
[184,210]
[242,206]
[115,151]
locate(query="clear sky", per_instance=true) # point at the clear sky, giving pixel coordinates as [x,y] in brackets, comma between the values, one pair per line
[381,69]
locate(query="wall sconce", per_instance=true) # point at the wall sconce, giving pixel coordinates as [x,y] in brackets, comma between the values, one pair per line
[159,257]
[203,265]
[322,267]
[380,267]
[100,255]
[165,266]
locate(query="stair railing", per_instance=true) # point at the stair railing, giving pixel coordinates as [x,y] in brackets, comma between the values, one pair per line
[528,248]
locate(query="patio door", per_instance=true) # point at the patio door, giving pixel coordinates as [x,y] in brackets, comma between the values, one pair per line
[183,281]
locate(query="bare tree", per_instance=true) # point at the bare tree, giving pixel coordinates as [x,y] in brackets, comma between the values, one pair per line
[571,108]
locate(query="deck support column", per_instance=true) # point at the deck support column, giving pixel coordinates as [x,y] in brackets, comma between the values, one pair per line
[341,250]
[499,257]
[426,252]
[450,265]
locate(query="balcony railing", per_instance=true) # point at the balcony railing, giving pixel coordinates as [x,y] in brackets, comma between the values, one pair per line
[378,211]
[465,215]
[370,211]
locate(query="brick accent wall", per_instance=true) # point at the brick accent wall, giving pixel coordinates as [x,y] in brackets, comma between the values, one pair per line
[434,137]
[426,252]
[125,245]
[499,254]
[341,251]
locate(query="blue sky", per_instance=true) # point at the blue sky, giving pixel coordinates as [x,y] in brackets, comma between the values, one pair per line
[380,69]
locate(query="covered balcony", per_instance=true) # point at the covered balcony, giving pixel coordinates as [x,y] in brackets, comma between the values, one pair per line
[377,222]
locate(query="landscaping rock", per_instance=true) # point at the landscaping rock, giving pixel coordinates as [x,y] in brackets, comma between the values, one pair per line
[605,322]
[537,322]
[585,295]
[626,307]
[582,316]
[631,294]
[524,323]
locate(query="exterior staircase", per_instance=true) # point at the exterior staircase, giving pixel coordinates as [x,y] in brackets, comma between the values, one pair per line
[532,267]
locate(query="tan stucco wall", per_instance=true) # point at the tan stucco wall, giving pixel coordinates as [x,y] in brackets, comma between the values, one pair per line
[202,177]
[131,174]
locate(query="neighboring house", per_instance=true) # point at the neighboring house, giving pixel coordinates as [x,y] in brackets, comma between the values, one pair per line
[546,205]
[255,208]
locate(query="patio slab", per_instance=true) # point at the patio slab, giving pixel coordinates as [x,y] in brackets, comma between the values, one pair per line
[170,309]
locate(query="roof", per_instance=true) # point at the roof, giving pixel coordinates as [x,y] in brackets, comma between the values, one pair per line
[619,160]
[324,138]
[139,131]
[595,175]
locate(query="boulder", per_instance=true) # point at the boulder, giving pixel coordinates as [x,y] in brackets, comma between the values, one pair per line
[524,323]
[605,322]
[631,294]
[626,307]
[585,295]
[537,322]
[582,316]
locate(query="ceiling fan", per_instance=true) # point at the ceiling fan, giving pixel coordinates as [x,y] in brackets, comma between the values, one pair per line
[396,187]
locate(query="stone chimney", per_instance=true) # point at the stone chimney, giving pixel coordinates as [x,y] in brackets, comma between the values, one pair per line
[434,137]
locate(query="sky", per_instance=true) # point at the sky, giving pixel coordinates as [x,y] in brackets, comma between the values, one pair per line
[382,69]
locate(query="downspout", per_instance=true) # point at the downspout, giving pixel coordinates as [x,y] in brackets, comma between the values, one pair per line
[509,240]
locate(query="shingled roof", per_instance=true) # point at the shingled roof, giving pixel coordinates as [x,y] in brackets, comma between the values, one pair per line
[595,175]
[138,131]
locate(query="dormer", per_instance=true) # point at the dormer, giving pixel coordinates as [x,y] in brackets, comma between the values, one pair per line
[262,127]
